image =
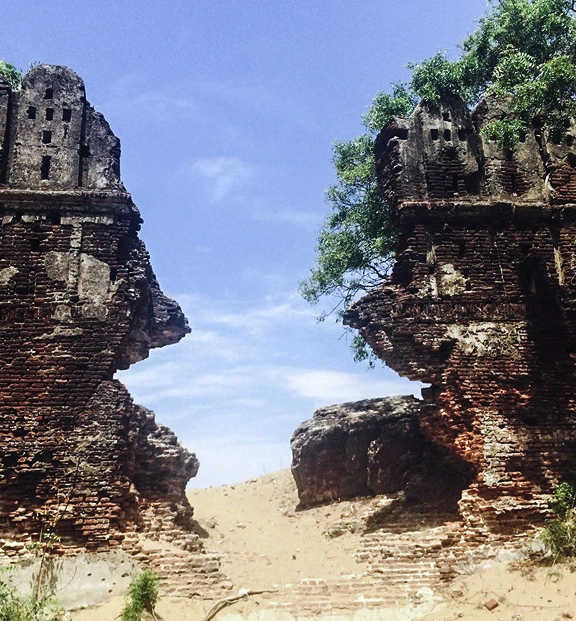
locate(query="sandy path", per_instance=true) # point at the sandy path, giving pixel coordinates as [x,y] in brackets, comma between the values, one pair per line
[263,540]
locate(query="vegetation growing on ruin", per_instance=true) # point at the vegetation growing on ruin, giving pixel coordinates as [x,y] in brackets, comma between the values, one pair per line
[142,597]
[14,607]
[13,75]
[523,51]
[560,532]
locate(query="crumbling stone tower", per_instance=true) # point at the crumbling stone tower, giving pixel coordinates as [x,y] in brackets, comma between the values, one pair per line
[78,300]
[481,303]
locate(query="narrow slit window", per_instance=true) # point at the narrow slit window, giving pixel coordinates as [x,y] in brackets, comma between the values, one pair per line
[447,135]
[461,135]
[113,274]
[446,116]
[66,115]
[514,183]
[35,245]
[49,114]
[45,168]
[54,217]
[49,94]
[46,137]
[31,112]
[434,134]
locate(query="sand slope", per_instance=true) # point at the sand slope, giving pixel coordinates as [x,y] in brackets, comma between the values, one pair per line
[268,546]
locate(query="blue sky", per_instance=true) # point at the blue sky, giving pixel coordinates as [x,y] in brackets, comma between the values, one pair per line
[227,111]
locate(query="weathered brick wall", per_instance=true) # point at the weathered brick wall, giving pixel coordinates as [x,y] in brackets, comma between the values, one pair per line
[78,300]
[481,303]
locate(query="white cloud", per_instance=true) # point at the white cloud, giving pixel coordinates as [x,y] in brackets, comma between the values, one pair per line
[212,319]
[254,186]
[223,176]
[260,319]
[326,387]
[158,383]
[236,388]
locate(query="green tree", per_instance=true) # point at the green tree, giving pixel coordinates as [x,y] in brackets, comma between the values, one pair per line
[355,245]
[12,74]
[523,51]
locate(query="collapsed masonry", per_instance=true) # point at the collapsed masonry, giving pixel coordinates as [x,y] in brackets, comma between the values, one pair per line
[78,301]
[481,303]
[371,447]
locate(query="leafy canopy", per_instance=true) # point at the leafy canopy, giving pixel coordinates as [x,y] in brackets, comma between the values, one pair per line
[523,51]
[12,74]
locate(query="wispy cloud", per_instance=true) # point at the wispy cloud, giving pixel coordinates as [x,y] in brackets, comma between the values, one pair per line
[130,96]
[222,176]
[271,314]
[327,387]
[249,185]
[246,377]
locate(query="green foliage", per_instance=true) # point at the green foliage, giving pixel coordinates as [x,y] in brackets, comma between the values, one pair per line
[437,76]
[13,607]
[361,351]
[142,596]
[523,51]
[384,106]
[505,132]
[560,532]
[13,75]
[356,242]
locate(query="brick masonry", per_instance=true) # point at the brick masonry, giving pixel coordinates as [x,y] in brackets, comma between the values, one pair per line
[481,303]
[78,301]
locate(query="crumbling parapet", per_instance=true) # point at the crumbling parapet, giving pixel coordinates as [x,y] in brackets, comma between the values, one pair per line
[481,302]
[78,301]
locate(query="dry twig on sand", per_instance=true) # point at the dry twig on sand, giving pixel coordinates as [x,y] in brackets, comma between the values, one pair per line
[227,601]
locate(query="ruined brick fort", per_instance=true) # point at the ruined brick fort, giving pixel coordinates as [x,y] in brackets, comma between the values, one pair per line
[481,303]
[78,301]
[481,306]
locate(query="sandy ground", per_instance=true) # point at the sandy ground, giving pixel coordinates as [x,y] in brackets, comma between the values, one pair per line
[266,544]
[522,593]
[263,541]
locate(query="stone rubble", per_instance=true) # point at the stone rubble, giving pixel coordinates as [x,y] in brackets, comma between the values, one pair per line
[369,447]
